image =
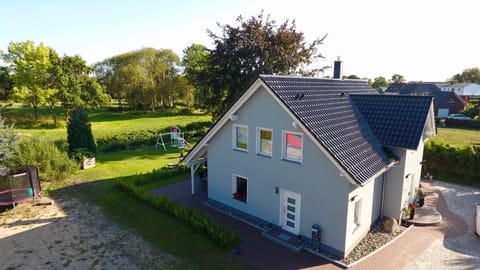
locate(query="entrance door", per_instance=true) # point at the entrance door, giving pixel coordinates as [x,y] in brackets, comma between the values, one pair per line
[290,211]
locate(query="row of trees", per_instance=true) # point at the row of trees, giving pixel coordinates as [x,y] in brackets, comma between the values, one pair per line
[40,76]
[152,79]
[148,79]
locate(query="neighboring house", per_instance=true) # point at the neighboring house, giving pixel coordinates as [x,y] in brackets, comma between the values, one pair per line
[297,151]
[445,102]
[461,89]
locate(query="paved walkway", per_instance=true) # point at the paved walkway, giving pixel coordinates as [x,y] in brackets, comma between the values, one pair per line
[458,247]
[450,244]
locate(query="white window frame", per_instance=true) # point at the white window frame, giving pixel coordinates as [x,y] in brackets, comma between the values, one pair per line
[234,187]
[284,146]
[234,138]
[259,142]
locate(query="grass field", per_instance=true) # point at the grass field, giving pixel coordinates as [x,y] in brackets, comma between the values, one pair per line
[457,137]
[108,123]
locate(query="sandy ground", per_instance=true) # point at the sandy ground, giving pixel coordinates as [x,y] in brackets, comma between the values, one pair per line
[70,234]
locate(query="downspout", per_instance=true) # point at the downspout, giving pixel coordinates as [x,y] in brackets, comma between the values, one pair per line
[383,195]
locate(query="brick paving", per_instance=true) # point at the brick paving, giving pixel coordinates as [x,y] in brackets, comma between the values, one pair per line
[402,253]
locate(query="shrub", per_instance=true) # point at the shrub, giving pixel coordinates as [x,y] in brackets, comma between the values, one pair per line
[8,143]
[456,123]
[52,163]
[188,216]
[446,160]
[79,132]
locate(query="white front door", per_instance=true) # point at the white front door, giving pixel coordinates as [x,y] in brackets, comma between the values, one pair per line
[290,211]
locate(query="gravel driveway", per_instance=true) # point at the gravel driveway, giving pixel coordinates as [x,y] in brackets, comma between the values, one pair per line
[72,234]
[460,248]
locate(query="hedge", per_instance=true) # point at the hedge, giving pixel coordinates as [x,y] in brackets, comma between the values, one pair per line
[142,138]
[188,216]
[445,160]
[456,123]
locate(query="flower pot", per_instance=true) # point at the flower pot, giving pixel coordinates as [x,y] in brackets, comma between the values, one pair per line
[421,202]
[412,213]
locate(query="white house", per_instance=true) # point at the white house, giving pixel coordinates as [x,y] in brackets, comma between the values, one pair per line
[297,152]
[462,89]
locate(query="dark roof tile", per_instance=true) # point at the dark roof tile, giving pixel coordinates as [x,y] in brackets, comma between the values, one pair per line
[397,121]
[327,111]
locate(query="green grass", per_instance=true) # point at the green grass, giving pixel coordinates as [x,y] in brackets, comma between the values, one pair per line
[457,137]
[196,249]
[126,163]
[107,123]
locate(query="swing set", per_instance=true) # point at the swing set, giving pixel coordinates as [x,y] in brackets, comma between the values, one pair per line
[177,139]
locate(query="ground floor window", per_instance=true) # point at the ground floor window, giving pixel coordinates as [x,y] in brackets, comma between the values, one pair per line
[357,213]
[239,188]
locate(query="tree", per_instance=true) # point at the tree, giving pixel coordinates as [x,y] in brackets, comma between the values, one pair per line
[8,142]
[352,77]
[195,61]
[380,83]
[144,78]
[257,46]
[42,77]
[6,83]
[74,86]
[397,78]
[471,75]
[79,133]
[31,64]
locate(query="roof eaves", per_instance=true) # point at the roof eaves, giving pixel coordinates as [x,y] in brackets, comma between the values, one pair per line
[222,120]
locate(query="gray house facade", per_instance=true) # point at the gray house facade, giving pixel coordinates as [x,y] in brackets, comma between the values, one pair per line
[297,152]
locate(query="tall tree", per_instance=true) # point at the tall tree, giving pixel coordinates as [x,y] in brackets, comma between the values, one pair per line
[194,62]
[470,75]
[397,78]
[79,133]
[257,46]
[31,64]
[144,77]
[380,83]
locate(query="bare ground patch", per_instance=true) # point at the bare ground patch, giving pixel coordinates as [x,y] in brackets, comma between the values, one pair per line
[72,234]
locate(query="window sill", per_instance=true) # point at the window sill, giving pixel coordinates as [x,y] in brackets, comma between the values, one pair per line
[240,150]
[240,198]
[292,160]
[264,155]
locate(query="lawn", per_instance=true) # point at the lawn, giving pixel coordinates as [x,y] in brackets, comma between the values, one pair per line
[457,137]
[107,123]
[165,232]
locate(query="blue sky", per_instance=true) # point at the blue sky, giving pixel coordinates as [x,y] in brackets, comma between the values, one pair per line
[422,40]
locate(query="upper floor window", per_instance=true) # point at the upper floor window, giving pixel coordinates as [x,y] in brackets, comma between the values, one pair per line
[264,141]
[240,137]
[292,146]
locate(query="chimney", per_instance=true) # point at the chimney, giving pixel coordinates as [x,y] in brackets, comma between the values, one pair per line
[337,69]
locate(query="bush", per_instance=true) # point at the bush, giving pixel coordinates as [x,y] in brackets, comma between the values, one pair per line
[456,123]
[52,163]
[79,132]
[445,160]
[188,216]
